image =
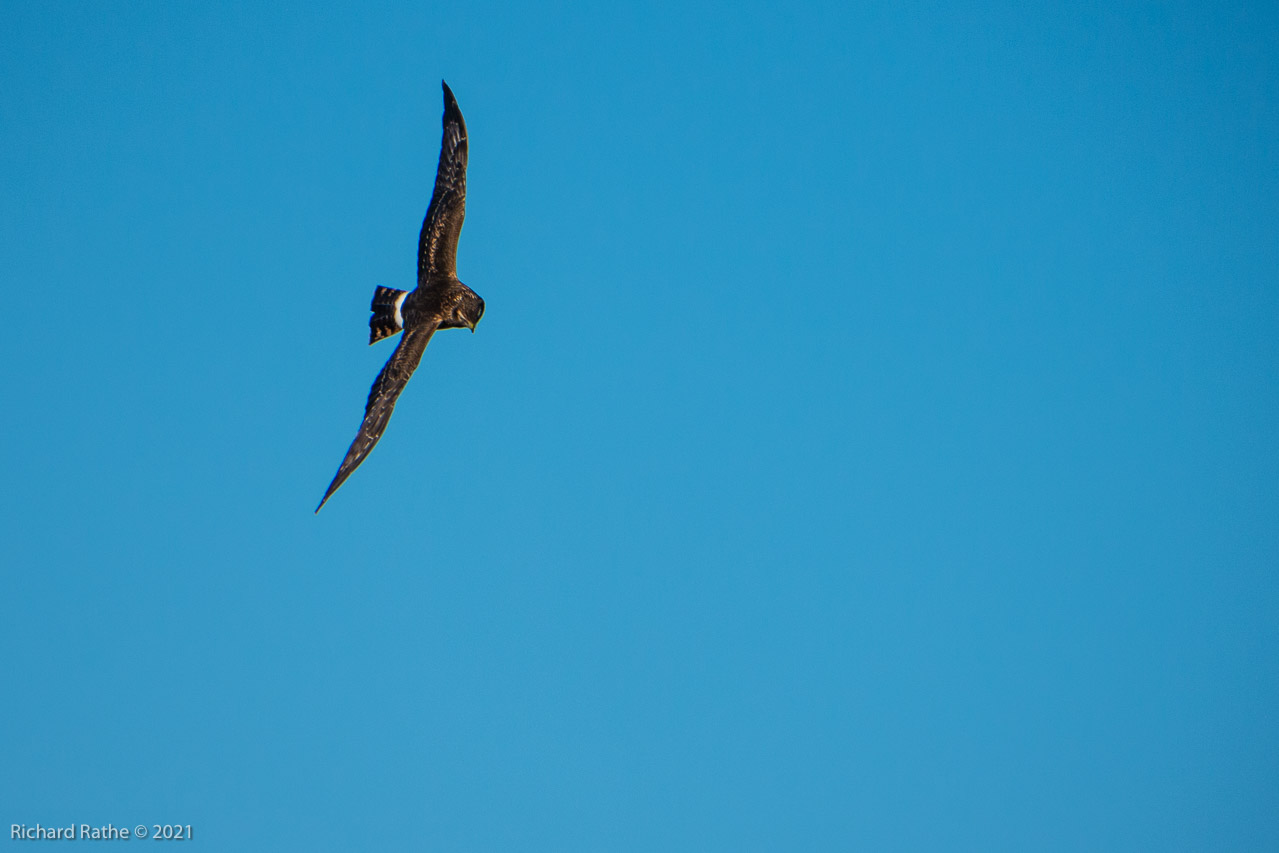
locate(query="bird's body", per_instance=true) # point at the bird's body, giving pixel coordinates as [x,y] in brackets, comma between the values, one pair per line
[439,301]
[444,300]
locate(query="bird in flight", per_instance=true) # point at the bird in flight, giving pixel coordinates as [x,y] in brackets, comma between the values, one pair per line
[439,301]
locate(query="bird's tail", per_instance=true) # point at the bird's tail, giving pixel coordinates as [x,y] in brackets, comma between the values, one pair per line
[387,318]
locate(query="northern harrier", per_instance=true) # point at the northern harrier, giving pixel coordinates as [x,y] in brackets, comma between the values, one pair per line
[440,301]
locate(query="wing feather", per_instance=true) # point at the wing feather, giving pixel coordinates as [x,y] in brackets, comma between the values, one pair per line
[437,244]
[382,396]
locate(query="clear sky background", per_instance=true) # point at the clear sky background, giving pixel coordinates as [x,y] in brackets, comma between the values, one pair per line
[872,441]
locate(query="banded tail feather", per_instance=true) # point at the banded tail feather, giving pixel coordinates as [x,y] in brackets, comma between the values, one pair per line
[387,316]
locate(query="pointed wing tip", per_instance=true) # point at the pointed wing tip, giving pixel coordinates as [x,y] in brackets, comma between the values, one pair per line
[452,112]
[451,109]
[325,499]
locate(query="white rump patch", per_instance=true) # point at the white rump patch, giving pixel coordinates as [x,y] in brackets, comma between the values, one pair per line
[399,302]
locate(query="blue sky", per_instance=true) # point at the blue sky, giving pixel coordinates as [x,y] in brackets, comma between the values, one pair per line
[870,442]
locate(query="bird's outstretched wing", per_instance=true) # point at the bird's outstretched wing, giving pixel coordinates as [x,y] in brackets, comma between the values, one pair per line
[382,396]
[437,245]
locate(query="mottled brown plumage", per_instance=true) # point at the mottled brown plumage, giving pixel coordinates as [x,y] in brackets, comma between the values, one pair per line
[439,301]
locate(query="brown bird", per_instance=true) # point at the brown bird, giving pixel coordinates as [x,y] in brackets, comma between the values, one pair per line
[439,301]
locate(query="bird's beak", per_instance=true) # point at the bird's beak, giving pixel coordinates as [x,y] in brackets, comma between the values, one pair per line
[473,327]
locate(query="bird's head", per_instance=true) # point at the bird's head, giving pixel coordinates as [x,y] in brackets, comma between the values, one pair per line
[467,311]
